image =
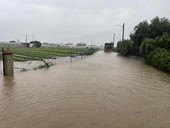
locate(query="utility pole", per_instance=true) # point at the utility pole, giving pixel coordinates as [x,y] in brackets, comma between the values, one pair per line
[123,31]
[114,37]
[26,38]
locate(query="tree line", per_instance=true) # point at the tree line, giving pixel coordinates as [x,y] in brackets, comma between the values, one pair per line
[150,41]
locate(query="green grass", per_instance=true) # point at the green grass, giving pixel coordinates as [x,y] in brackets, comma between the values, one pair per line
[25,54]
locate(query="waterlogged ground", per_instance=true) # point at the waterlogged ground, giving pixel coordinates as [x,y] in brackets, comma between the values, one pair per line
[34,65]
[100,91]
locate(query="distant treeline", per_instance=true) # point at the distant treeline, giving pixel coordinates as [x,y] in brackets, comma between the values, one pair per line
[150,41]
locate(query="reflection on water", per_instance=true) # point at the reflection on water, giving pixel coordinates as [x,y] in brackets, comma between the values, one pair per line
[8,81]
[101,91]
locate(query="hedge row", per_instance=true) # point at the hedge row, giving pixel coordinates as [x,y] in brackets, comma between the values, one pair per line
[157,52]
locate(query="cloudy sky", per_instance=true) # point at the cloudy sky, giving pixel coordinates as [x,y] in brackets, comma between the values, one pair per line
[64,21]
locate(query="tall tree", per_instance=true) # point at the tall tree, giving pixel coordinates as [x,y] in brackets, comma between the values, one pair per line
[140,33]
[158,26]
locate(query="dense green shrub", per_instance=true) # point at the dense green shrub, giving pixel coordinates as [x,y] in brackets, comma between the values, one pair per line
[147,46]
[150,44]
[123,47]
[156,28]
[156,52]
[140,33]
[164,41]
[159,58]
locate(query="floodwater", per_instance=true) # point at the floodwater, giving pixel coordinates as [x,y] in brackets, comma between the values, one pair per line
[104,90]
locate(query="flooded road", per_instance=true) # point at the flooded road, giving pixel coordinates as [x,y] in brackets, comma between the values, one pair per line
[100,91]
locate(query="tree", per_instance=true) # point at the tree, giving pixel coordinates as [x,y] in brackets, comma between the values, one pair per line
[150,44]
[156,52]
[158,26]
[159,58]
[147,46]
[140,33]
[164,41]
[36,44]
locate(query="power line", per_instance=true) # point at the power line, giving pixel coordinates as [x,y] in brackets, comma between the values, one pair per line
[136,14]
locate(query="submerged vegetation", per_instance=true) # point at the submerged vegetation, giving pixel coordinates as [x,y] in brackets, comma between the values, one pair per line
[123,47]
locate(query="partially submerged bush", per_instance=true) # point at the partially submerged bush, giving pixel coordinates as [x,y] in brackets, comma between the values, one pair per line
[123,47]
[159,58]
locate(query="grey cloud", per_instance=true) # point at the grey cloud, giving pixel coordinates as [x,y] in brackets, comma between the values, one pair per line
[75,20]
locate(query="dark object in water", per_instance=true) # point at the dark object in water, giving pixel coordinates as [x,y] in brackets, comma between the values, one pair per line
[108,47]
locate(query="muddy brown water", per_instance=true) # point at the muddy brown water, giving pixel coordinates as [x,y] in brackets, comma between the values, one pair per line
[100,91]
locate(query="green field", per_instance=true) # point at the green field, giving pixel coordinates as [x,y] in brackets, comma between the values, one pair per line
[25,54]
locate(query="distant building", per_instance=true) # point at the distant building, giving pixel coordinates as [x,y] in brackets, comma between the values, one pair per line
[45,44]
[69,45]
[35,44]
[12,41]
[26,45]
[30,45]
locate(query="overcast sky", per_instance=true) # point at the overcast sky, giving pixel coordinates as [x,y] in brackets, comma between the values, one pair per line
[72,21]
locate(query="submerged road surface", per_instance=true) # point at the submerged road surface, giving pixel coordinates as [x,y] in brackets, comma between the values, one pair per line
[101,91]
